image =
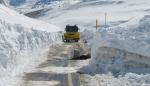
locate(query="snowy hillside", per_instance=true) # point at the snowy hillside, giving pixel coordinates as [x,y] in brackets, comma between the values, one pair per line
[86,12]
[21,42]
[3,2]
[11,17]
[25,6]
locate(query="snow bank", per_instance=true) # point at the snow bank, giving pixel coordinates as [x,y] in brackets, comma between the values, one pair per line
[120,55]
[87,35]
[129,36]
[17,38]
[120,61]
[123,51]
[21,42]
[130,79]
[123,47]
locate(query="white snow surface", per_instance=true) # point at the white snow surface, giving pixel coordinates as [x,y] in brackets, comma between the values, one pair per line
[85,13]
[127,29]
[23,44]
[130,79]
[12,17]
[3,2]
[25,6]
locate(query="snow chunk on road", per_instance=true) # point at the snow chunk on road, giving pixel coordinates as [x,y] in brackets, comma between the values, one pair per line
[43,83]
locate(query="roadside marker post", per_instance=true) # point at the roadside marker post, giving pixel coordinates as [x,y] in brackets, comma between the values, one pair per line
[105,20]
[96,25]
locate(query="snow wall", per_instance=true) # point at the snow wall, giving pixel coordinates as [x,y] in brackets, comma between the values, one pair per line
[122,49]
[19,48]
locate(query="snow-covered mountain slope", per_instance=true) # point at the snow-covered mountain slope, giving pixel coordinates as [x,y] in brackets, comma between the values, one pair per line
[22,44]
[86,12]
[25,6]
[13,17]
[30,2]
[3,2]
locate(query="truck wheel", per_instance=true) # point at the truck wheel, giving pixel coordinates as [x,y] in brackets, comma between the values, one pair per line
[67,40]
[76,40]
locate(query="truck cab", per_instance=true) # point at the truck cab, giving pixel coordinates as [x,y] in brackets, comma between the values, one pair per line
[71,34]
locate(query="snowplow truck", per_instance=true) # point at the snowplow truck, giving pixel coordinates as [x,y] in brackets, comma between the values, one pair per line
[71,34]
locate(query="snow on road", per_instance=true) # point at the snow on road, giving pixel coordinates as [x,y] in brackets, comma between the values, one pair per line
[53,69]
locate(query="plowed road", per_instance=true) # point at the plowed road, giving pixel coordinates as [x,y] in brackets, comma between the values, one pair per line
[58,70]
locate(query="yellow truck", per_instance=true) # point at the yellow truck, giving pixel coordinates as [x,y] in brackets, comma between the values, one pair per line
[71,34]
